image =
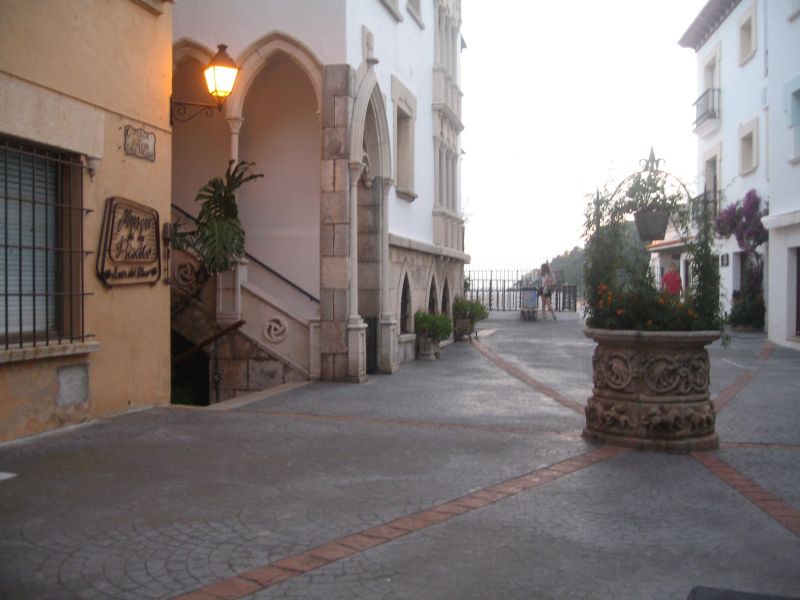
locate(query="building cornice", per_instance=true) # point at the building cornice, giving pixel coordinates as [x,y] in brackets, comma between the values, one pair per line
[426,248]
[782,220]
[706,23]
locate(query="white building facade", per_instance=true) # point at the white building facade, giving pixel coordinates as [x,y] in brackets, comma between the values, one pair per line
[352,111]
[748,132]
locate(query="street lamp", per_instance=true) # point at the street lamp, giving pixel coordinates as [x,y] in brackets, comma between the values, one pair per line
[220,75]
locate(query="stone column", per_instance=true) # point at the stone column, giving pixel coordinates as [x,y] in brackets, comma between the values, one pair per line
[229,291]
[450,181]
[442,174]
[235,125]
[446,43]
[437,199]
[387,340]
[337,103]
[355,172]
[454,181]
[356,328]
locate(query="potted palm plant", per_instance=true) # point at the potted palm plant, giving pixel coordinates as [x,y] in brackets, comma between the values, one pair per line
[217,239]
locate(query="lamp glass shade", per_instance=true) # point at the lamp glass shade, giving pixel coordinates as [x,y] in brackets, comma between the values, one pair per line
[221,74]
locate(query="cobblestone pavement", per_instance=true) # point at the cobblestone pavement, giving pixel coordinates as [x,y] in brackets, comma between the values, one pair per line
[462,478]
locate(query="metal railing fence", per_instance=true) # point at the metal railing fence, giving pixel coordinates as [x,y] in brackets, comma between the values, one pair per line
[502,289]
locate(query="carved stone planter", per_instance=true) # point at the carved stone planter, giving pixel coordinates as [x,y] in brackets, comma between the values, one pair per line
[464,328]
[428,348]
[651,390]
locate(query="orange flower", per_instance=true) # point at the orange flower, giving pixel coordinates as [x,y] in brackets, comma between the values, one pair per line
[661,300]
[620,312]
[649,323]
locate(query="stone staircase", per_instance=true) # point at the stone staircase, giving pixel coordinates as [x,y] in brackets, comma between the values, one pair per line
[278,341]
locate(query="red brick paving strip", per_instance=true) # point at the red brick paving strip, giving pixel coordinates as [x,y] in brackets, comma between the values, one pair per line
[726,395]
[527,379]
[263,577]
[744,378]
[782,512]
[759,445]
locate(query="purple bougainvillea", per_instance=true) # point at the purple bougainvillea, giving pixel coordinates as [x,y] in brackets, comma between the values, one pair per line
[742,219]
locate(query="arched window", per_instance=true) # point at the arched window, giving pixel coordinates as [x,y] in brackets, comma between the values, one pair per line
[405,308]
[432,303]
[446,299]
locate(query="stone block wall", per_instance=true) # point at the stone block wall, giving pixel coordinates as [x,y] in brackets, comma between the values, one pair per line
[244,367]
[337,103]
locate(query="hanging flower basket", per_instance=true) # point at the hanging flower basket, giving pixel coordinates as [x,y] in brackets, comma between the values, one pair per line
[651,224]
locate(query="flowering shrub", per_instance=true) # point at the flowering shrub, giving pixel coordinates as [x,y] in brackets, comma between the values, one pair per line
[743,221]
[644,309]
[621,289]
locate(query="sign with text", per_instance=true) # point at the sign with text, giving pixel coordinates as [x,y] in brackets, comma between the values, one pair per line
[140,143]
[129,249]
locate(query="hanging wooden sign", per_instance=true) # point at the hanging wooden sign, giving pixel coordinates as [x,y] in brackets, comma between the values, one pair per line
[129,250]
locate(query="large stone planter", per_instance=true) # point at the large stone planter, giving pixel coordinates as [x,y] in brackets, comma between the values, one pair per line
[428,348]
[651,390]
[464,328]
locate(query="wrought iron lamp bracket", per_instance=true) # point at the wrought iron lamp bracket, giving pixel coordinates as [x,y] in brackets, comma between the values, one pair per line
[186,111]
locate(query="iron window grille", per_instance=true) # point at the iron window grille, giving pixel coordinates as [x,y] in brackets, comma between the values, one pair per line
[41,246]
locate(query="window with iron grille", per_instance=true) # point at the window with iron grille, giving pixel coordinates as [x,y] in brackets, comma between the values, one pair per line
[41,246]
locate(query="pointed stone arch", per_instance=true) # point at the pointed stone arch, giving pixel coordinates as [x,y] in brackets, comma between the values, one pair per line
[256,56]
[188,49]
[446,300]
[406,306]
[433,295]
[369,96]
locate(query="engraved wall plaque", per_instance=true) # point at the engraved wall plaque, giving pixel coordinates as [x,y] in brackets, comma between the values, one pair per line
[140,143]
[129,249]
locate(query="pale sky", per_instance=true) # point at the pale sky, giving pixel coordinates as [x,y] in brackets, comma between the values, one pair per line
[559,98]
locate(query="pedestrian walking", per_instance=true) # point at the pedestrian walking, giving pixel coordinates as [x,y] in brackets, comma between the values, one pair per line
[548,287]
[671,281]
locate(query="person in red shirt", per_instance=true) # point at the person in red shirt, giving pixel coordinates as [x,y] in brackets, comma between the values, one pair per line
[671,282]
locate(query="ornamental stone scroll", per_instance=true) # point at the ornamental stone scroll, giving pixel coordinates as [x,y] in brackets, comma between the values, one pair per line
[275,330]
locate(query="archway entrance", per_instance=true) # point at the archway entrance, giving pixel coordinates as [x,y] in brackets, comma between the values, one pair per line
[369,241]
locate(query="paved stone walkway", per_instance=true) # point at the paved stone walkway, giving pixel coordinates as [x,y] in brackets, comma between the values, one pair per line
[464,478]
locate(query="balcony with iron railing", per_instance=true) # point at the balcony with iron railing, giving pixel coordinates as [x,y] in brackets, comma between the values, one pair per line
[707,112]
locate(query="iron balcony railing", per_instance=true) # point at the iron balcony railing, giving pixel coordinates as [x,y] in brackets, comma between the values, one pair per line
[707,106]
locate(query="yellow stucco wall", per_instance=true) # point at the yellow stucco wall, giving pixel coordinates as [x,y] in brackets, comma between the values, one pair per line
[73,74]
